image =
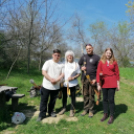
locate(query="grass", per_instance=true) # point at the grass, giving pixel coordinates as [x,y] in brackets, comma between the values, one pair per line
[127,73]
[124,119]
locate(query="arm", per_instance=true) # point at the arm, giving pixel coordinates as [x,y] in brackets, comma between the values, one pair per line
[44,73]
[74,77]
[78,73]
[81,64]
[99,68]
[117,76]
[60,77]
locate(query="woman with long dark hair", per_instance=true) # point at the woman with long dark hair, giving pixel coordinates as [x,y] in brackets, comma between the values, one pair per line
[108,81]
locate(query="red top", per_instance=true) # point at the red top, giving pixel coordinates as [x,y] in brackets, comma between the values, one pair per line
[110,74]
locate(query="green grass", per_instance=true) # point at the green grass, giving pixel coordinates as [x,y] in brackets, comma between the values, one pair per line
[127,73]
[124,119]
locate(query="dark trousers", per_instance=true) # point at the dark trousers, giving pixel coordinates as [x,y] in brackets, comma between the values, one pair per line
[64,100]
[88,93]
[44,100]
[108,97]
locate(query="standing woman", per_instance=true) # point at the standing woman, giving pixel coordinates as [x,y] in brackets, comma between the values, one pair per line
[71,73]
[108,74]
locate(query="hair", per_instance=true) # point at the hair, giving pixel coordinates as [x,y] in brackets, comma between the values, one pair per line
[88,45]
[112,58]
[69,52]
[56,51]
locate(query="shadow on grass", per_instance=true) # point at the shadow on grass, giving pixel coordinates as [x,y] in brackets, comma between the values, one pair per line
[79,107]
[7,113]
[120,109]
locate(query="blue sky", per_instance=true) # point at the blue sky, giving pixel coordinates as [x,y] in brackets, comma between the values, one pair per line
[90,11]
[109,11]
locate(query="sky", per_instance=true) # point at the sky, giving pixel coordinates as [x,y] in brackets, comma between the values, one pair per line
[90,11]
[109,11]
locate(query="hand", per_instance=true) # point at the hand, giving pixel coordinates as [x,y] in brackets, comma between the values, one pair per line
[83,68]
[53,81]
[118,88]
[70,78]
[93,81]
[99,87]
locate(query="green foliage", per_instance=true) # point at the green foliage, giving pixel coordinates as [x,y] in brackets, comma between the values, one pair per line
[125,62]
[124,29]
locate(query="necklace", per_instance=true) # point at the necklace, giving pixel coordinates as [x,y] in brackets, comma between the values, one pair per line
[107,62]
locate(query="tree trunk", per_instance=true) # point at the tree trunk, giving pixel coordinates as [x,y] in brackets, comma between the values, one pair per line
[11,67]
[40,62]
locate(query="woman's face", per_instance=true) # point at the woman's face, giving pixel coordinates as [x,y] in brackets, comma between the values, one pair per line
[70,58]
[108,54]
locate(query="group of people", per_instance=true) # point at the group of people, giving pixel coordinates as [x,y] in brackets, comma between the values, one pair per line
[103,73]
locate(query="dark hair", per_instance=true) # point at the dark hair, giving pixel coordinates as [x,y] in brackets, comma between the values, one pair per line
[88,45]
[56,51]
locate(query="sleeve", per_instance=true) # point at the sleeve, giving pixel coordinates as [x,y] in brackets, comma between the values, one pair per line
[78,69]
[99,69]
[63,68]
[117,71]
[80,61]
[45,66]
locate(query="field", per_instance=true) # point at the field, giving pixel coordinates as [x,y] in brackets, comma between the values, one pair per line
[123,123]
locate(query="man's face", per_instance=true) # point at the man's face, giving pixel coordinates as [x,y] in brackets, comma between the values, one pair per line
[56,57]
[89,50]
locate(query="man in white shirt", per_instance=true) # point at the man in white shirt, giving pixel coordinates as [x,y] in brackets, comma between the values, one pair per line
[52,71]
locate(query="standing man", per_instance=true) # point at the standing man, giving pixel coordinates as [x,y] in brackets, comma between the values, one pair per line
[52,71]
[88,64]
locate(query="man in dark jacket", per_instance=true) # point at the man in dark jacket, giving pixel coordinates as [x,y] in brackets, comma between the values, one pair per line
[88,64]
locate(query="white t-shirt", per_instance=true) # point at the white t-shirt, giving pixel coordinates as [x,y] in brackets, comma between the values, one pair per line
[71,69]
[54,70]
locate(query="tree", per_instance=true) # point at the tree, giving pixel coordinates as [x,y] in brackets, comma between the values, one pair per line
[77,34]
[119,38]
[99,34]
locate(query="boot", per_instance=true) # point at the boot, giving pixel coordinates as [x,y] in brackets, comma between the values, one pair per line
[105,116]
[71,113]
[111,119]
[62,111]
[90,114]
[84,113]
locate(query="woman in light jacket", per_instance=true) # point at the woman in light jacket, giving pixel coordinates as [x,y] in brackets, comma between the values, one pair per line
[71,73]
[108,81]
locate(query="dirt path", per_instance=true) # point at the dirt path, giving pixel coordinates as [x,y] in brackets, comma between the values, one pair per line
[49,120]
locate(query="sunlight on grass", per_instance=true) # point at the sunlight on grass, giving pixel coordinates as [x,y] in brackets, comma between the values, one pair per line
[124,119]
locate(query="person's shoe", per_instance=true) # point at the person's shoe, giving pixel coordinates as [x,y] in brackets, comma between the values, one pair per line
[62,111]
[90,114]
[39,119]
[105,116]
[52,114]
[111,119]
[71,113]
[84,113]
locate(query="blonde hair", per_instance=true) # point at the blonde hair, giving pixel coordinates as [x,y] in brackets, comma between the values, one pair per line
[69,52]
[112,58]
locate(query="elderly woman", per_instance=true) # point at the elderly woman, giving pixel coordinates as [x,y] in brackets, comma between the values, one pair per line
[108,74]
[71,73]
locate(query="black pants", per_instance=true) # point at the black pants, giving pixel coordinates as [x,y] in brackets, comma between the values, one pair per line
[108,97]
[64,100]
[44,100]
